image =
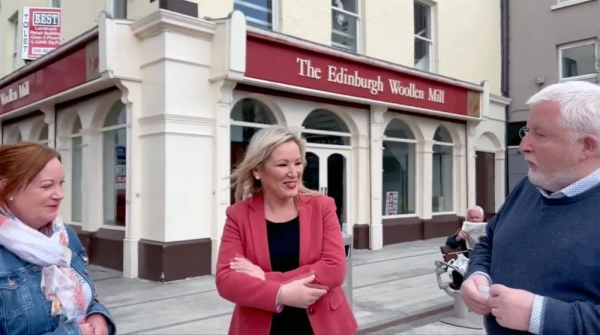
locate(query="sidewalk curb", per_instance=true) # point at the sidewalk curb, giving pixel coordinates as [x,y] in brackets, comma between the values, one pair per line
[444,308]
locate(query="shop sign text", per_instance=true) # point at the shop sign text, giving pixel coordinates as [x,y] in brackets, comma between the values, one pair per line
[11,95]
[344,76]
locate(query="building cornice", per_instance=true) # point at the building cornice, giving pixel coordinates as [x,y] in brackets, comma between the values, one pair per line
[163,20]
[500,99]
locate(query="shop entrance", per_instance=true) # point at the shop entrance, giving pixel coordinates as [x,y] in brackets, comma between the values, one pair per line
[327,172]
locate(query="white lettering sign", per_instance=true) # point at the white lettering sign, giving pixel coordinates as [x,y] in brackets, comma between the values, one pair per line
[344,76]
[13,95]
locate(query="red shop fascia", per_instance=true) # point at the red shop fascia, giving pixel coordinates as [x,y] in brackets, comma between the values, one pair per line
[68,68]
[297,69]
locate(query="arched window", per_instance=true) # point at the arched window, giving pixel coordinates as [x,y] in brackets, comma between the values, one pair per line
[114,133]
[247,117]
[43,138]
[443,171]
[324,127]
[76,172]
[399,169]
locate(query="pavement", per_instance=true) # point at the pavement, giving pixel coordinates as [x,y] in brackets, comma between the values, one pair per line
[395,292]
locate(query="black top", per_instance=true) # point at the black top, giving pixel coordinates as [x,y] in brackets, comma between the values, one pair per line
[284,248]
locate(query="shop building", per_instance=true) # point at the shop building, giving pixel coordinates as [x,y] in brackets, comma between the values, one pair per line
[151,116]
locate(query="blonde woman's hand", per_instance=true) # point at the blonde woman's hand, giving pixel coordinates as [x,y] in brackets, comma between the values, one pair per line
[298,293]
[242,265]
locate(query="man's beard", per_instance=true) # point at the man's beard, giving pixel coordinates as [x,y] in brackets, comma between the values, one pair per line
[553,182]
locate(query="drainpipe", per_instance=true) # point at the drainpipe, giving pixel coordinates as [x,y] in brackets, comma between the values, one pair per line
[505,81]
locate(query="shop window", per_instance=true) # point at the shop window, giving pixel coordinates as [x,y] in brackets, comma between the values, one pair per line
[423,18]
[258,13]
[443,171]
[399,169]
[577,61]
[345,24]
[76,172]
[324,127]
[43,138]
[247,117]
[114,142]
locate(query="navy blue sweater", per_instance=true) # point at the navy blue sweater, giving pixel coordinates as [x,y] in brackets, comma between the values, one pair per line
[550,247]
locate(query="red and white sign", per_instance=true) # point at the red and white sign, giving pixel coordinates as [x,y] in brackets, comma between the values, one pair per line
[329,72]
[41,31]
[391,203]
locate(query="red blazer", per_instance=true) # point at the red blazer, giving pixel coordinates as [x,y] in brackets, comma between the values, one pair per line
[321,252]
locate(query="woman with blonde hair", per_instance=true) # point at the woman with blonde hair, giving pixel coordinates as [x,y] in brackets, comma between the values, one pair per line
[45,287]
[282,259]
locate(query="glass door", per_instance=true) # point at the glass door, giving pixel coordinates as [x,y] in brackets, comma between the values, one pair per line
[327,172]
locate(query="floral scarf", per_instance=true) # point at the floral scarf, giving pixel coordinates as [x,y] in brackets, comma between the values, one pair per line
[48,248]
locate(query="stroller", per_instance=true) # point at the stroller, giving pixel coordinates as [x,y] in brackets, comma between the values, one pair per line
[455,261]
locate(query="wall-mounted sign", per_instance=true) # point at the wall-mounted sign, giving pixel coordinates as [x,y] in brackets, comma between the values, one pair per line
[330,72]
[391,205]
[41,31]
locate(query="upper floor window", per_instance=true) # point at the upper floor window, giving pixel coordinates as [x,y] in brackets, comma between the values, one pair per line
[259,13]
[345,24]
[55,3]
[423,36]
[577,61]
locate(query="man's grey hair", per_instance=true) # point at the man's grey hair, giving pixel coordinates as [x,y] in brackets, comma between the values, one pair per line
[579,103]
[476,208]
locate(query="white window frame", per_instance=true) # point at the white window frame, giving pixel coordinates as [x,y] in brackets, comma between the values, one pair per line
[575,45]
[274,13]
[431,41]
[14,22]
[358,36]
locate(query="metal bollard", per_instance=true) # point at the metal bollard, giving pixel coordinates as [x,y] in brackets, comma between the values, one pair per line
[347,286]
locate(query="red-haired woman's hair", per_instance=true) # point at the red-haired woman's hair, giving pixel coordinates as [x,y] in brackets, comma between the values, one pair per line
[20,163]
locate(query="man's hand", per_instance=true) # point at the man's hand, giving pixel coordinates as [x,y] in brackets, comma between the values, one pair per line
[475,300]
[511,307]
[461,236]
[241,264]
[98,323]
